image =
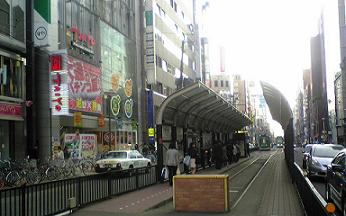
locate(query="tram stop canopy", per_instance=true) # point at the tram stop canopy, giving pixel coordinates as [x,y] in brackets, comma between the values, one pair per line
[278,105]
[199,107]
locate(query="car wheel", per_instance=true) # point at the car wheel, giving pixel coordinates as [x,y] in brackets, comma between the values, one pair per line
[328,198]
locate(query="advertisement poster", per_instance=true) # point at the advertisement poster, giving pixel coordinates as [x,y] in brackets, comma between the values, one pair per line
[88,145]
[80,145]
[84,86]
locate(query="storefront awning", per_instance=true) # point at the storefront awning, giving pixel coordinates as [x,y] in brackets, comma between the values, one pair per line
[277,103]
[197,106]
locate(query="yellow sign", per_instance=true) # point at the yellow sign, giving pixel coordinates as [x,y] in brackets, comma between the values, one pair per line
[101,121]
[77,119]
[151,132]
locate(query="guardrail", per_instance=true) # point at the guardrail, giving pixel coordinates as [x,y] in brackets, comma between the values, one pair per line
[54,197]
[313,202]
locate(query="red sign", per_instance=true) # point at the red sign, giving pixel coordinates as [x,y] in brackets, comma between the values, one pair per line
[55,62]
[78,36]
[14,110]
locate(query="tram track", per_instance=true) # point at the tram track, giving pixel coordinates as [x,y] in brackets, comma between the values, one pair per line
[242,178]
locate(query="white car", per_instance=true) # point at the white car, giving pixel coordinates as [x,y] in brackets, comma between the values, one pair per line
[122,160]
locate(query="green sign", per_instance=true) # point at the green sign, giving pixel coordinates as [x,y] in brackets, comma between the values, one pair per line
[149,18]
[43,8]
[115,105]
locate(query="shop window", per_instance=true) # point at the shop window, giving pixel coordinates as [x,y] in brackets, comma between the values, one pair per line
[11,74]
[4,17]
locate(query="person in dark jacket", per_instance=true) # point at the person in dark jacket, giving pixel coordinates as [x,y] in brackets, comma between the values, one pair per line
[193,153]
[218,155]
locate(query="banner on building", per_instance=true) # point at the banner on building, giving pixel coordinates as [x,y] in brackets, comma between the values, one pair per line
[85,86]
[150,59]
[59,92]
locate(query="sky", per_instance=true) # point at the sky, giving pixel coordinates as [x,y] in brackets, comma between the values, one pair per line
[270,40]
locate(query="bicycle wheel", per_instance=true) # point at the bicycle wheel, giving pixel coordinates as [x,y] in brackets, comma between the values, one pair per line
[33,177]
[12,178]
[87,167]
[51,174]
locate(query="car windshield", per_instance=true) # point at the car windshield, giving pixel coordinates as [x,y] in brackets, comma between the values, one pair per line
[327,151]
[116,155]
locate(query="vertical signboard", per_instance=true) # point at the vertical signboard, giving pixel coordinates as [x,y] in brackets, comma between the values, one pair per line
[150,116]
[150,59]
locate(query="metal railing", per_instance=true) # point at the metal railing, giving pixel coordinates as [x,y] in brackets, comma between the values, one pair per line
[313,202]
[54,197]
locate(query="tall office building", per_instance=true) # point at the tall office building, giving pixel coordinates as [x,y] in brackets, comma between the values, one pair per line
[340,79]
[319,102]
[170,46]
[306,104]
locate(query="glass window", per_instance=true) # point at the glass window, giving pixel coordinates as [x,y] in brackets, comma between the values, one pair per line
[4,17]
[326,151]
[215,83]
[119,155]
[132,155]
[18,14]
[11,77]
[221,83]
[339,159]
[226,83]
[164,65]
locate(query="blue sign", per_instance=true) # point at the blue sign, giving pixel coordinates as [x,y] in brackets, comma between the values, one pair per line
[150,115]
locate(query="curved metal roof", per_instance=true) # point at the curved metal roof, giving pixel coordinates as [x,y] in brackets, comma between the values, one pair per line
[199,107]
[277,103]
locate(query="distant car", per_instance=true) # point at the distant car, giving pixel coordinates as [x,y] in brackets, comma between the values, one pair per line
[321,155]
[122,160]
[306,152]
[336,181]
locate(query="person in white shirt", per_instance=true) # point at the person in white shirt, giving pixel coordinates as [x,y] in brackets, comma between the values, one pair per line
[172,162]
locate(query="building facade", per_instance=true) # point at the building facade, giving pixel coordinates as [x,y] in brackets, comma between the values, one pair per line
[221,84]
[319,102]
[13,109]
[306,105]
[239,94]
[91,63]
[172,56]
[340,80]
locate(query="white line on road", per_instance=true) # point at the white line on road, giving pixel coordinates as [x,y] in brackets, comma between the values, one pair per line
[233,191]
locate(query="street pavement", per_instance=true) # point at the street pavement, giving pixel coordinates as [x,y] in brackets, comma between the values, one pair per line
[259,185]
[144,199]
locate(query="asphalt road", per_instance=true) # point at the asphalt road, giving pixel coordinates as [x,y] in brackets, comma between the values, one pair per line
[250,185]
